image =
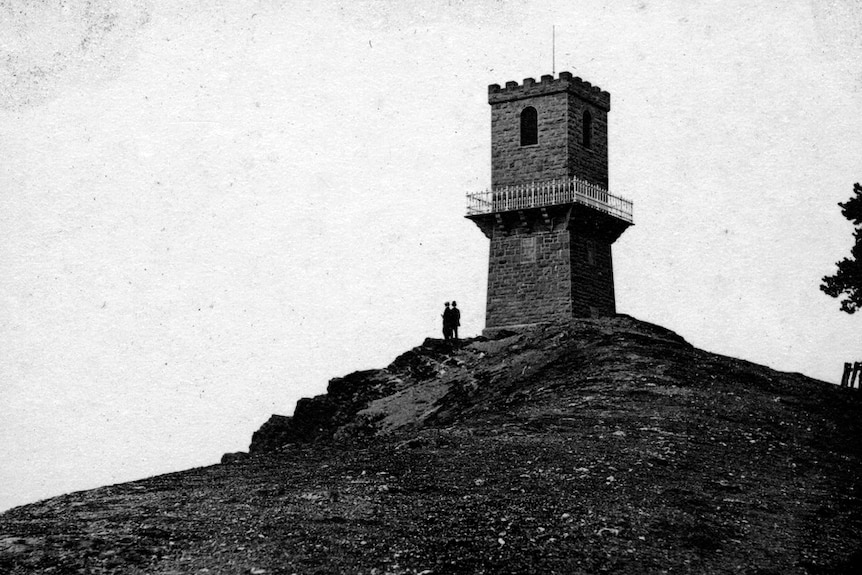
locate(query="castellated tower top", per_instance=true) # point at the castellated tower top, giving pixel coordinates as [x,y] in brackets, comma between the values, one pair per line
[548,85]
[549,130]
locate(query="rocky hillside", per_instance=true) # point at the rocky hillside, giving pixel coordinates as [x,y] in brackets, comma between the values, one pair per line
[595,446]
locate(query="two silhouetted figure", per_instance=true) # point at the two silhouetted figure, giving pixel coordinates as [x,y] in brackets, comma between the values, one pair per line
[851,371]
[451,321]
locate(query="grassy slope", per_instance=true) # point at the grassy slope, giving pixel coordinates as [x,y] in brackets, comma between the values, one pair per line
[596,446]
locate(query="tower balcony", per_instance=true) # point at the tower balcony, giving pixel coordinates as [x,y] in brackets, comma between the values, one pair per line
[546,194]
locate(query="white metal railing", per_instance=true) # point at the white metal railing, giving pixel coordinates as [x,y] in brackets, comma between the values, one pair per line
[548,193]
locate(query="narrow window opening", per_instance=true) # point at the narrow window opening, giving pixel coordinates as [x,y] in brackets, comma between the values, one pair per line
[528,250]
[588,129]
[529,127]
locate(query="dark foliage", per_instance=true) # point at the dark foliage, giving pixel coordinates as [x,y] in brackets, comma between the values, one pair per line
[847,281]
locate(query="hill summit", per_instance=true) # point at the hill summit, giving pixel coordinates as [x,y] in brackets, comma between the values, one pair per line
[586,446]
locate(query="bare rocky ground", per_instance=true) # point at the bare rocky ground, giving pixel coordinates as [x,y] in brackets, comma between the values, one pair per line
[596,446]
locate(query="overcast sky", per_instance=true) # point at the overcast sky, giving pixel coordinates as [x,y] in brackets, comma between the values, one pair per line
[209,209]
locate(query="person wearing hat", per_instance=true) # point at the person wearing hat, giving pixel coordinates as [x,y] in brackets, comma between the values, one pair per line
[456,318]
[447,323]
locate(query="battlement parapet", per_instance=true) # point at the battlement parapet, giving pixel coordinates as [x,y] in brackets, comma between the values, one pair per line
[549,85]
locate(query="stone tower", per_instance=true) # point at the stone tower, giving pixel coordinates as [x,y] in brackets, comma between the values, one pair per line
[548,213]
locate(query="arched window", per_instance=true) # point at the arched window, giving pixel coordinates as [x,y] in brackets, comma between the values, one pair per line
[529,126]
[588,129]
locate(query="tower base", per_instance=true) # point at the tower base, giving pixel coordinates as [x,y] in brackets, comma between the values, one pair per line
[548,265]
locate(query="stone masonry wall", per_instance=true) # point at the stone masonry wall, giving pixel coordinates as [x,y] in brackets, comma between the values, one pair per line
[592,277]
[512,163]
[528,277]
[537,271]
[590,163]
[560,153]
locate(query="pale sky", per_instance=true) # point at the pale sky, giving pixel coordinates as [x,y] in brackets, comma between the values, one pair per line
[209,209]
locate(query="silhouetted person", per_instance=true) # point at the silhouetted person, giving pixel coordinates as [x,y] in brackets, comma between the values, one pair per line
[456,318]
[447,323]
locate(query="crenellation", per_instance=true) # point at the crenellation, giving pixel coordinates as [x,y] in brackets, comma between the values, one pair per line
[564,83]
